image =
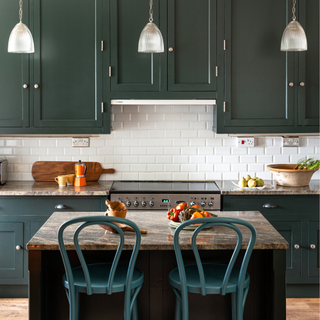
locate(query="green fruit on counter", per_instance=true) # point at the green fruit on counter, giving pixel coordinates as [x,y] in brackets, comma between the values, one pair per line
[252,183]
[260,182]
[248,177]
[255,178]
[242,183]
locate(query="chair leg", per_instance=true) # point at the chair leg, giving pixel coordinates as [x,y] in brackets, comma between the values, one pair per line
[134,308]
[77,305]
[177,314]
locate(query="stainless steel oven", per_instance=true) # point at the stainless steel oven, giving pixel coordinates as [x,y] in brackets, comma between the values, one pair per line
[146,195]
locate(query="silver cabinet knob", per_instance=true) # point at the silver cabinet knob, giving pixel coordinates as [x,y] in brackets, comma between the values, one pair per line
[136,203]
[61,206]
[25,86]
[302,84]
[151,203]
[128,203]
[291,84]
[170,49]
[296,246]
[18,247]
[312,246]
[36,86]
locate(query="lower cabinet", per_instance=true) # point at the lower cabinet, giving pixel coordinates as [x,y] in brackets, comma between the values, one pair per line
[296,218]
[20,219]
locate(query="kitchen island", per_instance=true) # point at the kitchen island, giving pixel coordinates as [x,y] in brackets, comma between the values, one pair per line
[266,298]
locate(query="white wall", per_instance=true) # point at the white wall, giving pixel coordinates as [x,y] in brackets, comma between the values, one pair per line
[160,143]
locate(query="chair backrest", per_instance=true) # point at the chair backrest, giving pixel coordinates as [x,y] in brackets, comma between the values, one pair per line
[99,220]
[206,222]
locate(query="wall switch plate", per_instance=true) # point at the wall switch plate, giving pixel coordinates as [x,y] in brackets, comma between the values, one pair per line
[80,142]
[247,142]
[291,142]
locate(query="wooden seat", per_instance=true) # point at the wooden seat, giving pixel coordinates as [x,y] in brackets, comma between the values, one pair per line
[99,278]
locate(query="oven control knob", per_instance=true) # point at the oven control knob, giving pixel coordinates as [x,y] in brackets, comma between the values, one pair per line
[136,203]
[203,204]
[151,203]
[128,203]
[210,204]
[192,203]
[143,203]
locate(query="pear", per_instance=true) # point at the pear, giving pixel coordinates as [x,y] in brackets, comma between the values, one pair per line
[260,182]
[252,183]
[255,178]
[248,177]
[242,183]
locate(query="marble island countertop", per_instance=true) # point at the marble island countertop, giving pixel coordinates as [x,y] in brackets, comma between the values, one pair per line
[33,188]
[159,235]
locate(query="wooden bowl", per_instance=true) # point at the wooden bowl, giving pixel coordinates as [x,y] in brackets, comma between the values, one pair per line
[285,175]
[116,209]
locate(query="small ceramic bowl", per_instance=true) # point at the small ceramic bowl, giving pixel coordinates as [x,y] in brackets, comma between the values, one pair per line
[285,175]
[116,209]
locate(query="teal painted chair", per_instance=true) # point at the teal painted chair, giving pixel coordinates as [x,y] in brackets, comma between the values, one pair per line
[101,278]
[211,278]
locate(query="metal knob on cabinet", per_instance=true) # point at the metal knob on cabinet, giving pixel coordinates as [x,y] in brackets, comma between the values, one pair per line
[136,203]
[151,203]
[302,84]
[170,49]
[128,203]
[36,86]
[291,84]
[18,247]
[312,246]
[296,246]
[25,86]
[61,206]
[269,206]
[203,204]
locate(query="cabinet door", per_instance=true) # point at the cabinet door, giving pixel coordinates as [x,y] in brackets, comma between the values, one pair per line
[67,64]
[131,70]
[308,81]
[291,231]
[11,259]
[14,71]
[258,95]
[192,56]
[313,254]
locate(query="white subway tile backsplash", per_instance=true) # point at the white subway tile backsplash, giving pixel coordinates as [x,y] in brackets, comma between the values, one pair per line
[160,143]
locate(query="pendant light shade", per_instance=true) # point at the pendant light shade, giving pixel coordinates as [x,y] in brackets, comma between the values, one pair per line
[20,40]
[294,37]
[150,40]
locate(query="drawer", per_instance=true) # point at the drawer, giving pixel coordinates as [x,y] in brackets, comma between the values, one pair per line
[30,206]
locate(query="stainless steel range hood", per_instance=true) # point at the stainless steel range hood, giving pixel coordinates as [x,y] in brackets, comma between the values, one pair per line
[162,102]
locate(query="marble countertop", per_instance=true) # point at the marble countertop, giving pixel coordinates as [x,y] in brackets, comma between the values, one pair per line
[32,188]
[228,188]
[159,235]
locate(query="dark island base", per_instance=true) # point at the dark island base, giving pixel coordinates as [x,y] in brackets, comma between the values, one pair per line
[156,300]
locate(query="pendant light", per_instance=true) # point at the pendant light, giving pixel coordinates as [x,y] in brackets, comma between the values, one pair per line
[151,40]
[20,40]
[294,37]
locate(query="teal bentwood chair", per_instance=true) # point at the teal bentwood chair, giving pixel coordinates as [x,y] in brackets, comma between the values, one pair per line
[101,277]
[211,278]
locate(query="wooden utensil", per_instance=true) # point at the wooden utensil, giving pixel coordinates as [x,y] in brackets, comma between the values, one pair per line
[48,170]
[123,227]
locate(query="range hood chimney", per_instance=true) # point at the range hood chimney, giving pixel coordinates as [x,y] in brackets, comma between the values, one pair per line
[162,102]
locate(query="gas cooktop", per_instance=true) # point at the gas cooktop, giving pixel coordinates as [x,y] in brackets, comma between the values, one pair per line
[166,194]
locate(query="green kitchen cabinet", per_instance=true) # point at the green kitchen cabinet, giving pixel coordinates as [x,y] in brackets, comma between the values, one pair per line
[267,90]
[188,66]
[58,88]
[296,218]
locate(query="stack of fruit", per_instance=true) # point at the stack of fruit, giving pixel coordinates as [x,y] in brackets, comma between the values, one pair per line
[250,182]
[182,212]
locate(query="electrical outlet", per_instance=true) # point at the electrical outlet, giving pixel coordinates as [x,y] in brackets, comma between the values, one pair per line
[80,142]
[291,142]
[247,142]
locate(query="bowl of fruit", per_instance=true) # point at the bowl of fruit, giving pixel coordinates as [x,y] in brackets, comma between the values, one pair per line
[250,183]
[183,212]
[294,175]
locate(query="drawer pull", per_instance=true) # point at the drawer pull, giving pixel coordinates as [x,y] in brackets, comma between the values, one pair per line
[18,247]
[269,205]
[312,246]
[61,206]
[296,246]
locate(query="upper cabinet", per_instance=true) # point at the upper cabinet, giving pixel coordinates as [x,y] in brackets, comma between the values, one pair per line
[267,90]
[188,66]
[58,89]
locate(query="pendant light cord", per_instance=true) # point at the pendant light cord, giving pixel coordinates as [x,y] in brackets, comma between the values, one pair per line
[294,10]
[150,12]
[20,11]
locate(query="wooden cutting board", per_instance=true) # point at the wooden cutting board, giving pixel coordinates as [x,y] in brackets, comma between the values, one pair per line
[48,170]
